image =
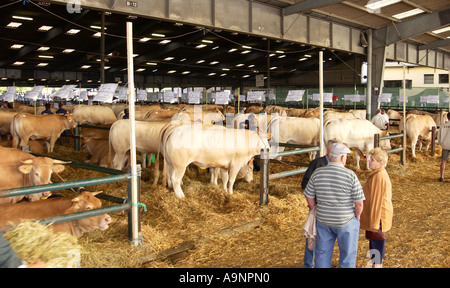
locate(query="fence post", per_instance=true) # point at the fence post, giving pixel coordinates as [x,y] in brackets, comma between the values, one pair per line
[403,157]
[433,141]
[138,170]
[264,178]
[376,140]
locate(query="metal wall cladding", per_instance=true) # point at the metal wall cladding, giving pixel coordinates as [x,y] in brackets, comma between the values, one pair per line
[193,11]
[295,28]
[412,54]
[400,51]
[431,59]
[233,15]
[447,61]
[340,37]
[319,32]
[266,20]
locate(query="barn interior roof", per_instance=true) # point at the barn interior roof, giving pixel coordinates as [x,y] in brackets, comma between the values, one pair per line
[41,36]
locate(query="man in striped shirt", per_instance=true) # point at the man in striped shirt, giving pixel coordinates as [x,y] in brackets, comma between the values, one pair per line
[339,197]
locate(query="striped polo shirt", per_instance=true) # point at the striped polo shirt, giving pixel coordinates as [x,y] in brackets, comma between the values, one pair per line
[335,188]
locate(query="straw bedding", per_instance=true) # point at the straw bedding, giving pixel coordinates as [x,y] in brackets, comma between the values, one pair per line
[221,230]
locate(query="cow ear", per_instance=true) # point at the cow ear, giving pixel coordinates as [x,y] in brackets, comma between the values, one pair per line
[61,162]
[28,162]
[26,168]
[58,168]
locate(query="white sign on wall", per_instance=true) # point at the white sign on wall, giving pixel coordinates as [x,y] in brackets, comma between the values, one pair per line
[66,92]
[222,98]
[141,95]
[327,97]
[255,96]
[10,94]
[35,93]
[194,97]
[385,98]
[295,95]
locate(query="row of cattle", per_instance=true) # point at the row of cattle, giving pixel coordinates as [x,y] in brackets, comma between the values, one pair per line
[182,136]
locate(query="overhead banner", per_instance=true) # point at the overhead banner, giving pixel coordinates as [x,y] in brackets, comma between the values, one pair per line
[222,98]
[10,94]
[35,93]
[106,93]
[255,96]
[194,97]
[66,92]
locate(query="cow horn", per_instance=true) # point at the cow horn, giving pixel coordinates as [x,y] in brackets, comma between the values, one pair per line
[61,162]
[29,161]
[97,192]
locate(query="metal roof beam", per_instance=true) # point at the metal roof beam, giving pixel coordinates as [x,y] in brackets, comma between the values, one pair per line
[410,28]
[307,5]
[435,44]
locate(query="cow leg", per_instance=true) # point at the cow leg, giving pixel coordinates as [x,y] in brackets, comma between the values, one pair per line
[413,146]
[144,159]
[177,175]
[358,158]
[118,160]
[214,175]
[224,173]
[232,174]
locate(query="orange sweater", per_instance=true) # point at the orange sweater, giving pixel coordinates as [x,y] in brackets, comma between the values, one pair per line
[378,204]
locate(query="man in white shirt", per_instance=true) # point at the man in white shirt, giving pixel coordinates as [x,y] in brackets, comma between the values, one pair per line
[380,120]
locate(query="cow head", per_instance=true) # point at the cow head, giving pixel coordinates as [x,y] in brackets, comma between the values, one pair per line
[86,201]
[69,121]
[386,143]
[247,171]
[38,171]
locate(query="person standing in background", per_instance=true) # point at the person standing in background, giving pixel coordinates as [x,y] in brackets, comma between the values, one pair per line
[444,140]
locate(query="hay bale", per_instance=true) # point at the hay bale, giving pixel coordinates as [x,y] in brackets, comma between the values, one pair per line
[32,241]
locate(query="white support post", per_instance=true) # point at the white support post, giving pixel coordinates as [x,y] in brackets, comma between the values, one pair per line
[134,177]
[322,148]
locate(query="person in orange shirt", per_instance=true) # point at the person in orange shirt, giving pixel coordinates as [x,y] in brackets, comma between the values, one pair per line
[378,210]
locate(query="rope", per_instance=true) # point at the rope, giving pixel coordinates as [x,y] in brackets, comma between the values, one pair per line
[139,240]
[139,204]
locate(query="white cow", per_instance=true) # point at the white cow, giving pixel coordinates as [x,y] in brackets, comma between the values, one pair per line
[93,114]
[294,130]
[207,146]
[356,134]
[418,128]
[147,139]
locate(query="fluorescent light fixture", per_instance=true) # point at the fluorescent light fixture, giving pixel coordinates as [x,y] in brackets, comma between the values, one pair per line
[43,48]
[281,56]
[186,72]
[379,4]
[200,61]
[245,76]
[232,50]
[14,25]
[85,66]
[97,35]
[42,65]
[251,66]
[408,13]
[16,46]
[67,51]
[442,30]
[163,42]
[224,74]
[245,51]
[200,46]
[246,47]
[151,63]
[46,56]
[169,58]
[272,54]
[178,24]
[18,63]
[44,28]
[214,48]
[135,55]
[273,68]
[43,79]
[97,27]
[72,31]
[145,39]
[182,60]
[22,18]
[307,55]
[225,69]
[279,51]
[214,62]
[211,74]
[171,71]
[30,79]
[140,70]
[303,59]
[107,67]
[239,65]
[158,35]
[207,41]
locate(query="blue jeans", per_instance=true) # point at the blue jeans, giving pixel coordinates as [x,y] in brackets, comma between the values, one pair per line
[347,238]
[308,260]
